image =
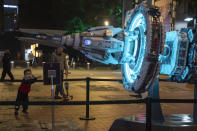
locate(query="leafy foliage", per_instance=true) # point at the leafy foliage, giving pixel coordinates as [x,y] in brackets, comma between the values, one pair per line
[71,15]
[76,25]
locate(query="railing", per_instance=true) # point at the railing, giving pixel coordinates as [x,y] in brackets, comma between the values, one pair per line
[147,101]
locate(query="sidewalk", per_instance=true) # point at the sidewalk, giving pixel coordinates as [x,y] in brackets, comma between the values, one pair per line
[67,117]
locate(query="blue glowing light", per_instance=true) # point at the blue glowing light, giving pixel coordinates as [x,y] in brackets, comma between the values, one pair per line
[169,59]
[87,42]
[135,46]
[177,63]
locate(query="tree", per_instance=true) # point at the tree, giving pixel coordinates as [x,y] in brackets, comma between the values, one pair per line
[55,14]
[76,25]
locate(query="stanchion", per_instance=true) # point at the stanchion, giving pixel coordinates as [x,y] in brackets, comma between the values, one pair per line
[28,63]
[52,95]
[195,104]
[87,117]
[73,65]
[12,64]
[148,114]
[88,66]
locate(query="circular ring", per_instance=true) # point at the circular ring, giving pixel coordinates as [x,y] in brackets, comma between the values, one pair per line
[143,45]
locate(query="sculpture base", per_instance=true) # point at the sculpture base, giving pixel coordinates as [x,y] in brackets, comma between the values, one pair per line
[173,122]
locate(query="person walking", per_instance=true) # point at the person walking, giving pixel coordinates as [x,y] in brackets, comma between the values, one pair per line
[60,57]
[6,65]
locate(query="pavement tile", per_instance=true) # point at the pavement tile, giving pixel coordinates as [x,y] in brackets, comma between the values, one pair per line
[67,117]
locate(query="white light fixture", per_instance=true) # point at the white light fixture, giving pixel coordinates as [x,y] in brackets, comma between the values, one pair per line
[188,19]
[10,6]
[106,23]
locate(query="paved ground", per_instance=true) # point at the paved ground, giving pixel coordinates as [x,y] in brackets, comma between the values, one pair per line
[67,117]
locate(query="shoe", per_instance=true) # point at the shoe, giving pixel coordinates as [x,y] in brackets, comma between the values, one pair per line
[65,96]
[16,113]
[25,112]
[58,97]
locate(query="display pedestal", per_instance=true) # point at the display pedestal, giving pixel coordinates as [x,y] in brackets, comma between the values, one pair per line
[173,122]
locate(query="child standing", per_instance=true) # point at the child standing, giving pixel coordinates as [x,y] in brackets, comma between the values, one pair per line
[23,91]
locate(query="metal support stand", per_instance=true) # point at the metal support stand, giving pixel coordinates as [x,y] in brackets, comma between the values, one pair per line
[156,110]
[87,101]
[195,104]
[52,107]
[148,114]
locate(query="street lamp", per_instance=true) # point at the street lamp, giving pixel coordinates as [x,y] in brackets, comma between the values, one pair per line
[106,23]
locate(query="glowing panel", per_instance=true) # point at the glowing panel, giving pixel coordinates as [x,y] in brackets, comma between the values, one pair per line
[142,42]
[169,59]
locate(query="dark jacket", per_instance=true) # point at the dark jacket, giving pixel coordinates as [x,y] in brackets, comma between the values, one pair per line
[25,86]
[6,60]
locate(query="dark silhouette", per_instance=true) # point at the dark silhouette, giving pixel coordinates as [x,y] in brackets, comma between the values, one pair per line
[6,65]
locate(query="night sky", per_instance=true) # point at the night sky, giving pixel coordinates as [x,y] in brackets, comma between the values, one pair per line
[56,14]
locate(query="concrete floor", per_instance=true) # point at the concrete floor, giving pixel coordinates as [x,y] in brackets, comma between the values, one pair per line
[67,117]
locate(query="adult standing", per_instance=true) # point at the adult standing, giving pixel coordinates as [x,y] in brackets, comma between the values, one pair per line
[31,57]
[6,65]
[60,57]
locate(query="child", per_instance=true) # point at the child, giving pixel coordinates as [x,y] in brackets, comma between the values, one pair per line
[23,90]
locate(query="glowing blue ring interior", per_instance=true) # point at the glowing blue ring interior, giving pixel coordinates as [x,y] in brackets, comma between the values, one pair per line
[131,74]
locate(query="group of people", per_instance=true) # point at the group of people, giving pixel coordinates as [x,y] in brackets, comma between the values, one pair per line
[22,97]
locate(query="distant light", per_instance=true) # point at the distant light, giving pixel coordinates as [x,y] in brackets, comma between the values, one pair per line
[188,19]
[106,23]
[87,42]
[10,6]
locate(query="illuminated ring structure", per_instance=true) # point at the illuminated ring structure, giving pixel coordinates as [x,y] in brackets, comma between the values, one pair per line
[142,48]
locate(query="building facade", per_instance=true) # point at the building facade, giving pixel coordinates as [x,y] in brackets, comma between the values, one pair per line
[1,16]
[10,13]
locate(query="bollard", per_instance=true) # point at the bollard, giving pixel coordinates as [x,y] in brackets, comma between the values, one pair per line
[88,66]
[27,64]
[87,117]
[73,65]
[12,64]
[43,63]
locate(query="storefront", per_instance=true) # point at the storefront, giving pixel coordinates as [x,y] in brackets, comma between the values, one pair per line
[34,49]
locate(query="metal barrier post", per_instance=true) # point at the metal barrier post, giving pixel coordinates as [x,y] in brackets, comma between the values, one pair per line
[28,63]
[88,66]
[43,63]
[148,114]
[73,65]
[52,95]
[195,104]
[87,101]
[12,64]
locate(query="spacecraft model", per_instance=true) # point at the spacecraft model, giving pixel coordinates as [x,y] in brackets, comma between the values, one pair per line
[140,48]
